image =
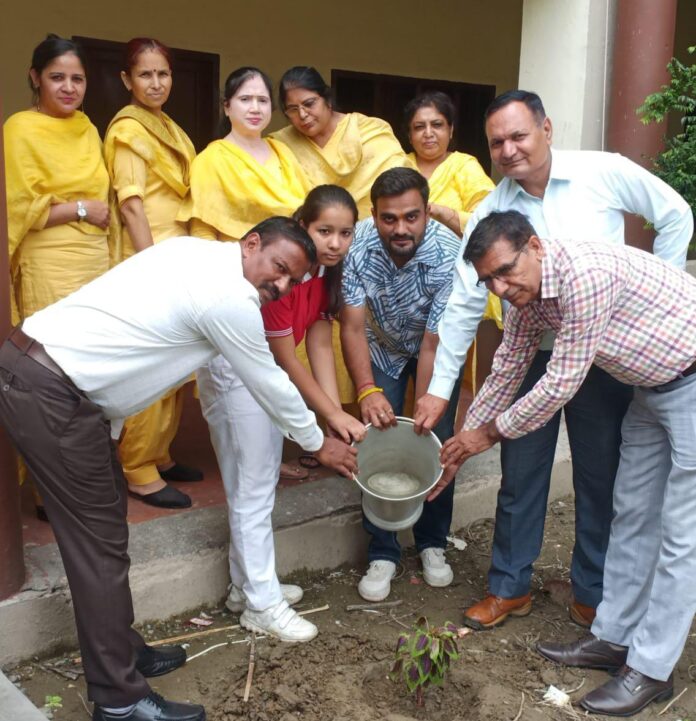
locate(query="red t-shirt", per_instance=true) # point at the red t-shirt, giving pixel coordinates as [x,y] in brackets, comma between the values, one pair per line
[294,313]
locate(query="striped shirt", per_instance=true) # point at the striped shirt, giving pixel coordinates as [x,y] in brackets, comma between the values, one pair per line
[401,303]
[627,311]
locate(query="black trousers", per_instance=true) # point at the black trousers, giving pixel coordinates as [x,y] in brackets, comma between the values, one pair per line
[65,441]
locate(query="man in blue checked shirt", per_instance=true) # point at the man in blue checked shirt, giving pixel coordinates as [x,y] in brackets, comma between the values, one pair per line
[396,282]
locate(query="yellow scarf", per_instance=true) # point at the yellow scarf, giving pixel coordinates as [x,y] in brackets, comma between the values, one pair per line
[232,191]
[153,149]
[49,161]
[358,151]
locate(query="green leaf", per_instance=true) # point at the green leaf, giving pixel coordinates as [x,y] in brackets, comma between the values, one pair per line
[434,648]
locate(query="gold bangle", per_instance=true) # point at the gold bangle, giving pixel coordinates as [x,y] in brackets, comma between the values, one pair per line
[368,391]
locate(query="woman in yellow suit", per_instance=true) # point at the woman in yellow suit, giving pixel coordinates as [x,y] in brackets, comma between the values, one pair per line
[244,178]
[345,149]
[458,184]
[57,188]
[148,157]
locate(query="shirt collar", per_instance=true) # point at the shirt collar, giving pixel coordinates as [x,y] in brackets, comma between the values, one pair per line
[319,273]
[560,171]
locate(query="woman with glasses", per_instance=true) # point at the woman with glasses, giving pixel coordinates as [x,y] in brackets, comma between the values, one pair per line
[149,157]
[346,149]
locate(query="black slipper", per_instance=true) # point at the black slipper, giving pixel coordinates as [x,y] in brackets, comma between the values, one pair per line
[168,497]
[308,460]
[180,472]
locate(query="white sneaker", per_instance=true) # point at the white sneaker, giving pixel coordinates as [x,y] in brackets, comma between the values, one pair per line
[236,601]
[436,571]
[375,585]
[280,621]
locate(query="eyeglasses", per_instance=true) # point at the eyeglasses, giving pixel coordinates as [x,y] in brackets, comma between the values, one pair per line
[503,272]
[306,105]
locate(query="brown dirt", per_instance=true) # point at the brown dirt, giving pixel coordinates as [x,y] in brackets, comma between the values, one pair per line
[343,673]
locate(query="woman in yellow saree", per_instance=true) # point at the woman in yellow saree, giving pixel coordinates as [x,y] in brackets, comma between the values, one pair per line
[346,149]
[57,189]
[244,178]
[458,184]
[148,157]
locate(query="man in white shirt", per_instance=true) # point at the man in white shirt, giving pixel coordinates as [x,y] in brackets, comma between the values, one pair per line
[76,369]
[578,195]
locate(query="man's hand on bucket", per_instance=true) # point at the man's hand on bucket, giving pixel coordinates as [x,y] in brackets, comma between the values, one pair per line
[338,455]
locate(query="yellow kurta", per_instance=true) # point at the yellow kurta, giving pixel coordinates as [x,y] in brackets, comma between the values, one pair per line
[460,183]
[50,161]
[232,192]
[150,159]
[358,151]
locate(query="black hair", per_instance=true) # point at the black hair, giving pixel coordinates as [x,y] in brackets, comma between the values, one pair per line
[234,81]
[279,228]
[431,99]
[511,225]
[317,200]
[307,77]
[50,49]
[396,181]
[531,100]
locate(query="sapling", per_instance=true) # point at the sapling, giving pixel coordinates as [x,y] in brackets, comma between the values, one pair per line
[423,656]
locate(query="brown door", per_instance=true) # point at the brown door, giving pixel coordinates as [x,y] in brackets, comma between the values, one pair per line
[193,102]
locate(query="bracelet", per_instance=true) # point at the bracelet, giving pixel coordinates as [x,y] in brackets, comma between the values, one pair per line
[365,393]
[361,388]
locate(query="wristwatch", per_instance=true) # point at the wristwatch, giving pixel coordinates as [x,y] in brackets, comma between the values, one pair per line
[81,210]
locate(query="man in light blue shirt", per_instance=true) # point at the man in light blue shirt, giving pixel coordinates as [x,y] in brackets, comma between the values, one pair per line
[396,282]
[578,195]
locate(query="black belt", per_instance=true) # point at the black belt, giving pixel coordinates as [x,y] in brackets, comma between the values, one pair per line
[689,371]
[35,351]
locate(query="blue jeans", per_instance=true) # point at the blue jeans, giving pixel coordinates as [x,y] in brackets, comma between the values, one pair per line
[432,527]
[593,418]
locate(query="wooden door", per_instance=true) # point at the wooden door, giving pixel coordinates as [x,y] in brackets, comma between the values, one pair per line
[193,103]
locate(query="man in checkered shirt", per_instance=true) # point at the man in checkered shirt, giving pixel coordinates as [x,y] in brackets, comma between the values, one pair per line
[632,315]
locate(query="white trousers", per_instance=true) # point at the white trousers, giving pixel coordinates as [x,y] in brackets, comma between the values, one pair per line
[649,597]
[249,449]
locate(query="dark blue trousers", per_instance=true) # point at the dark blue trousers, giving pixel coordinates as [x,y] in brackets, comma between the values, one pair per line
[431,529]
[593,419]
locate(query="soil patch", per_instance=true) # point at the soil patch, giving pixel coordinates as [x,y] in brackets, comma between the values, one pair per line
[342,674]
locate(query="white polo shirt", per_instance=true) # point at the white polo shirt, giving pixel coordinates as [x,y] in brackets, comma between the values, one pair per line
[146,325]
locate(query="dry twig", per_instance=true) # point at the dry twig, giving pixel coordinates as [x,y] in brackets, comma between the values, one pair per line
[370,606]
[252,663]
[519,713]
[673,701]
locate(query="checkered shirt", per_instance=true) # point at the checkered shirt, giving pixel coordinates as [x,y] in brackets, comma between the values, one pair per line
[623,309]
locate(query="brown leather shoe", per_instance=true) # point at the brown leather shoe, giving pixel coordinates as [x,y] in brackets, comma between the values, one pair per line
[588,652]
[581,614]
[493,610]
[627,693]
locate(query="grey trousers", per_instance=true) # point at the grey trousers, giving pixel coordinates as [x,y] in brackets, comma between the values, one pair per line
[649,597]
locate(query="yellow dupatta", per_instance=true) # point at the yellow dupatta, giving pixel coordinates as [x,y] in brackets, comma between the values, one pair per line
[163,146]
[49,161]
[153,148]
[359,150]
[231,191]
[460,183]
